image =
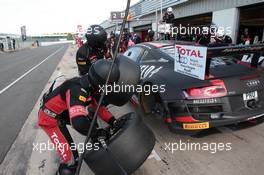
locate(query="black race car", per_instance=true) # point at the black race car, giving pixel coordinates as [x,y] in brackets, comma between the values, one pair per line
[232,92]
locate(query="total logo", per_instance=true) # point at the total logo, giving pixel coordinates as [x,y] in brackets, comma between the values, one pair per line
[189,52]
[182,60]
[253,83]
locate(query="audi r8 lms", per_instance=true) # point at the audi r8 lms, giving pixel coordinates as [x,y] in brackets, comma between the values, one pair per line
[231,92]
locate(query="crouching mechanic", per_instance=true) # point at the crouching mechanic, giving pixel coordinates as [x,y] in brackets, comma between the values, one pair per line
[67,105]
[92,50]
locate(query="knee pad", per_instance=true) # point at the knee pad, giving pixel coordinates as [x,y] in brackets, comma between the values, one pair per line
[46,121]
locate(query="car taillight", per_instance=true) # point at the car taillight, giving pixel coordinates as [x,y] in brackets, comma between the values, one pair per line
[217,89]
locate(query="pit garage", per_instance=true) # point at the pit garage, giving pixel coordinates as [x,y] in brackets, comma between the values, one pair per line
[252,23]
[198,20]
[142,31]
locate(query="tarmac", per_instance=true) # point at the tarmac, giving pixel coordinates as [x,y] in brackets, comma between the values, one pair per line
[241,150]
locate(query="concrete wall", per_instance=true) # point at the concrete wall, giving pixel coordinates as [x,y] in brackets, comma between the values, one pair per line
[18,44]
[56,42]
[228,22]
[25,44]
[196,7]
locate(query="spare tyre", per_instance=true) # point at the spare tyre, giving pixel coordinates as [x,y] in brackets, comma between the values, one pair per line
[126,150]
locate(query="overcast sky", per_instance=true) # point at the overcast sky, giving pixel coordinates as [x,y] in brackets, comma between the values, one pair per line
[49,16]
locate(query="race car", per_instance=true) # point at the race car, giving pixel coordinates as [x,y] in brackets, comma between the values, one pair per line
[232,90]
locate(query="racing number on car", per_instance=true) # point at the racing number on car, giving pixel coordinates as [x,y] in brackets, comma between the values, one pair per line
[148,71]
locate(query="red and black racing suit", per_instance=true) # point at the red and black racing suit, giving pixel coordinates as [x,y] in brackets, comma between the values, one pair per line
[67,105]
[86,55]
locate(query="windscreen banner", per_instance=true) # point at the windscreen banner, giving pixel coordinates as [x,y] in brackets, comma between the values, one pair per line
[190,60]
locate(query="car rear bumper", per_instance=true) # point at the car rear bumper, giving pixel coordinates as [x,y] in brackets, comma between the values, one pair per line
[225,120]
[204,114]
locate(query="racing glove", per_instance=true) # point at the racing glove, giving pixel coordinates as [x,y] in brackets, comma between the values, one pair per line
[99,135]
[116,123]
[90,112]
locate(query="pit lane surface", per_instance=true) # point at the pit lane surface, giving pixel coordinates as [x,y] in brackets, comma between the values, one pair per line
[245,156]
[23,75]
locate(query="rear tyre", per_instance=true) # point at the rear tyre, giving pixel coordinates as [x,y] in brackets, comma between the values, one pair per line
[152,104]
[127,149]
[147,102]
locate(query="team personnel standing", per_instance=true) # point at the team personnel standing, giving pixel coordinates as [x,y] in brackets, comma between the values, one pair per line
[168,16]
[92,50]
[1,46]
[14,44]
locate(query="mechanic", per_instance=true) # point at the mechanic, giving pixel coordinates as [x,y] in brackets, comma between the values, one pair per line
[168,16]
[73,103]
[150,36]
[92,50]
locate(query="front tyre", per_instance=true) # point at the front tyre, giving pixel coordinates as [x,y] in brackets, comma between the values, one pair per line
[127,149]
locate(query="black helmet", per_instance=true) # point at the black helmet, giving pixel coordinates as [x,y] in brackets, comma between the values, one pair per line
[129,77]
[96,36]
[98,73]
[228,39]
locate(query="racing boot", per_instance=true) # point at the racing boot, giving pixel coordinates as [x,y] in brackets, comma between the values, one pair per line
[65,169]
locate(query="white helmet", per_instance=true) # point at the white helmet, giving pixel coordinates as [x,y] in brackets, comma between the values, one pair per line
[169,10]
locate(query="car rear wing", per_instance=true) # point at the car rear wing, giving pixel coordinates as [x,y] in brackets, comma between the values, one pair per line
[256,51]
[195,61]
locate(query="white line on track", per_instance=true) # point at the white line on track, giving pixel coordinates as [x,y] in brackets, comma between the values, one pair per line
[25,74]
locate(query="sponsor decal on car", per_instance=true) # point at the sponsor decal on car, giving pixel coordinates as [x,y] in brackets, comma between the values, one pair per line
[196,126]
[148,71]
[253,83]
[240,49]
[190,61]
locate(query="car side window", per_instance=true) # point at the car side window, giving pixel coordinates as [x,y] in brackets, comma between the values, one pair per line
[154,56]
[144,56]
[128,52]
[133,53]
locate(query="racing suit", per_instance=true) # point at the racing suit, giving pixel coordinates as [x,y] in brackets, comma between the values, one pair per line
[86,55]
[168,18]
[67,105]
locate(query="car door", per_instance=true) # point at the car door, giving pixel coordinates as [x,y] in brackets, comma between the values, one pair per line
[151,63]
